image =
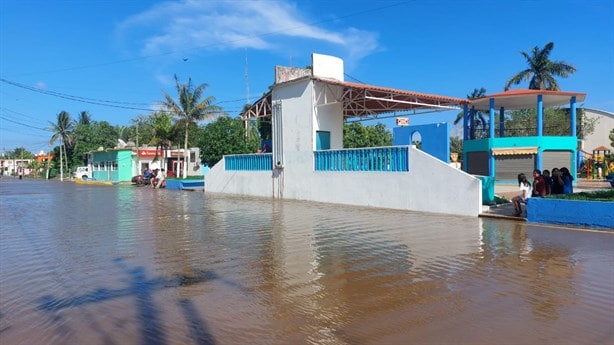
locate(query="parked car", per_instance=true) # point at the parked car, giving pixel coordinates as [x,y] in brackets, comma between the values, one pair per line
[83,173]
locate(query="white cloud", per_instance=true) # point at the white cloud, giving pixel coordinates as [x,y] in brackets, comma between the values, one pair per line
[263,25]
[40,85]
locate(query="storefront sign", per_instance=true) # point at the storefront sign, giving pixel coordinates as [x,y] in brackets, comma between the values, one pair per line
[144,153]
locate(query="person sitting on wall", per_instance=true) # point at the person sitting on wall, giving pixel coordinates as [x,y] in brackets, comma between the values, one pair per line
[546,175]
[146,175]
[567,181]
[160,179]
[154,180]
[539,184]
[525,194]
[557,182]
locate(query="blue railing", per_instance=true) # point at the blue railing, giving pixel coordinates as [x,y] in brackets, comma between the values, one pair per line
[260,161]
[393,158]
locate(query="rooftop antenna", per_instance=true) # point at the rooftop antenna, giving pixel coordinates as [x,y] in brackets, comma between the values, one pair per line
[246,92]
[246,80]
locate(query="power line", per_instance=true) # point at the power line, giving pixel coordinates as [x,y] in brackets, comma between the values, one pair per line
[106,103]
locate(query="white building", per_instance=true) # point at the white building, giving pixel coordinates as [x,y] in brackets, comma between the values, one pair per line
[307,109]
[603,126]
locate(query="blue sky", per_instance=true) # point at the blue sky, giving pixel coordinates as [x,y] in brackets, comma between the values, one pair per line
[114,58]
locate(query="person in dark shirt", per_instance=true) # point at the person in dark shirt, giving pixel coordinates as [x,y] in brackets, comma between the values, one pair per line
[539,183]
[567,181]
[557,182]
[546,175]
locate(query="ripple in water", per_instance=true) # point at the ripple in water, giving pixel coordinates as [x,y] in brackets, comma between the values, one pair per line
[126,265]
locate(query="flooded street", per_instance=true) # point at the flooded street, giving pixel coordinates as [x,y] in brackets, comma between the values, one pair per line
[126,265]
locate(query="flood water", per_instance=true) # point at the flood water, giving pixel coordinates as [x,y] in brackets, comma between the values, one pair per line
[128,265]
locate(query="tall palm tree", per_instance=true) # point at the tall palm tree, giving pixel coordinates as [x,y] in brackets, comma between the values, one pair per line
[479,120]
[62,130]
[84,118]
[541,70]
[190,109]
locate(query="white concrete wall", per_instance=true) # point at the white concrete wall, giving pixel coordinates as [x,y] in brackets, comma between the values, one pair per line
[326,66]
[600,137]
[326,116]
[253,183]
[430,186]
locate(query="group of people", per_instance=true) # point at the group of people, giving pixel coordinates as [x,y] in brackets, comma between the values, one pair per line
[156,178]
[560,182]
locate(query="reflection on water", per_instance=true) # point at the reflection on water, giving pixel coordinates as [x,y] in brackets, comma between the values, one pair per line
[127,265]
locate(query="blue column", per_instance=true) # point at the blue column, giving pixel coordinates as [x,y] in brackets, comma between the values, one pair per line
[501,122]
[465,122]
[540,116]
[472,123]
[540,129]
[572,106]
[491,120]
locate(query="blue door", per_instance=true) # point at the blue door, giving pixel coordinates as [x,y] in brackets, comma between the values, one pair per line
[322,140]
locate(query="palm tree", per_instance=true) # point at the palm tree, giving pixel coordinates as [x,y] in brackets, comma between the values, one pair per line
[542,70]
[162,130]
[190,109]
[84,118]
[62,130]
[479,120]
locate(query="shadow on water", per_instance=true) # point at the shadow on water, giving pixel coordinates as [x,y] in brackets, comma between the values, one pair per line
[142,289]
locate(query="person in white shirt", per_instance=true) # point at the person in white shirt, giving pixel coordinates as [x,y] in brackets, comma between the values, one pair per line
[160,178]
[525,194]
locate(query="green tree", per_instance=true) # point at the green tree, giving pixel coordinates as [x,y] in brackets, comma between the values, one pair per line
[611,136]
[189,109]
[162,130]
[355,135]
[89,137]
[84,118]
[541,71]
[225,136]
[456,144]
[556,123]
[19,153]
[62,130]
[479,121]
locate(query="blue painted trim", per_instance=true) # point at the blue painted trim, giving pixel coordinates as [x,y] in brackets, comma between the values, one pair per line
[540,115]
[572,107]
[185,184]
[501,122]
[465,121]
[384,159]
[260,161]
[571,212]
[472,123]
[491,119]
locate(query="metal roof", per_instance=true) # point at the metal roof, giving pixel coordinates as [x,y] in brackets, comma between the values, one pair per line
[526,99]
[363,100]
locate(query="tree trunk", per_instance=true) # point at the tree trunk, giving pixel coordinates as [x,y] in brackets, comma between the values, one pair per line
[185,152]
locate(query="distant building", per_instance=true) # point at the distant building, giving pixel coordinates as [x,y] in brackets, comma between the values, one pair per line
[600,137]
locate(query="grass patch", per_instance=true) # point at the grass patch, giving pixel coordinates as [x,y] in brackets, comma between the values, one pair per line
[599,195]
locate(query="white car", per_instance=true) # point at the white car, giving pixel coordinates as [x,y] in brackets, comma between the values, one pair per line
[83,173]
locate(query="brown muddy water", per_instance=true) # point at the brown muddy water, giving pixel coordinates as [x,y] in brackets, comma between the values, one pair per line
[126,265]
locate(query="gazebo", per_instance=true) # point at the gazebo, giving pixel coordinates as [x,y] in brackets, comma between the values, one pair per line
[502,157]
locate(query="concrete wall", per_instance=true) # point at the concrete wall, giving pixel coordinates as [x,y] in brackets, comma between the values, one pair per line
[602,130]
[430,186]
[571,212]
[435,138]
[326,115]
[253,183]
